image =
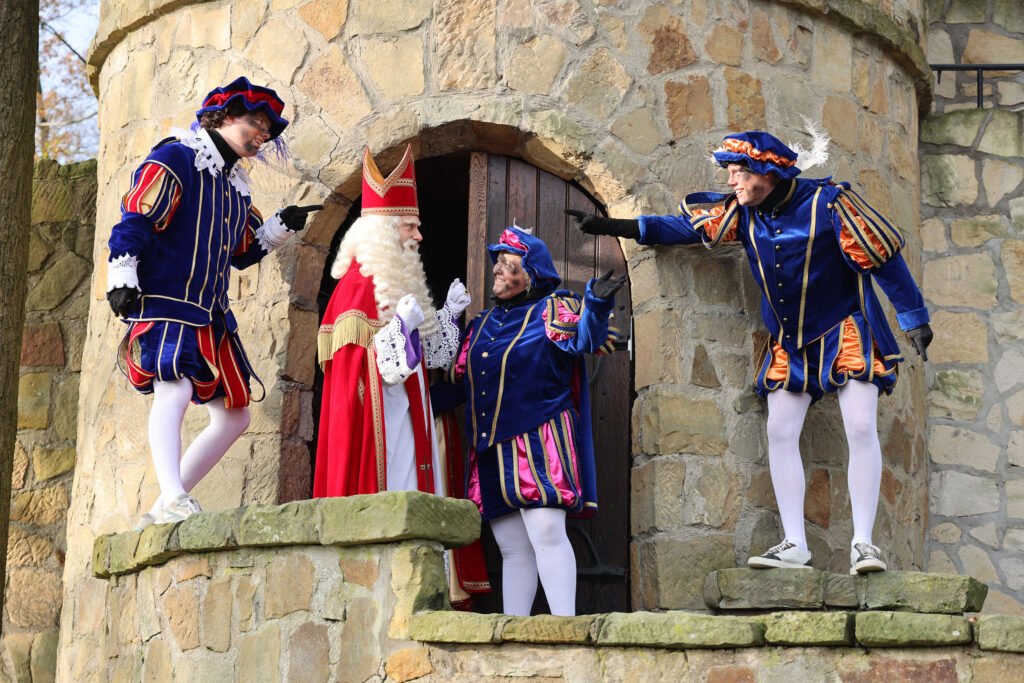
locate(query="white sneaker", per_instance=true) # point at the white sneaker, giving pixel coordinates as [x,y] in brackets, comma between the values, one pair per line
[864,558]
[787,555]
[181,508]
[147,519]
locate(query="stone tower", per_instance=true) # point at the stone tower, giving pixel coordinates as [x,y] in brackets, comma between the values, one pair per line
[623,97]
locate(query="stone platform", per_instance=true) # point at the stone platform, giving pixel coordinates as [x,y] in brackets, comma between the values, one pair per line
[810,589]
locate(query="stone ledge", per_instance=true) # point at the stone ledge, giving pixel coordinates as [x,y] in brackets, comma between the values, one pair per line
[691,630]
[774,589]
[903,629]
[1000,632]
[353,520]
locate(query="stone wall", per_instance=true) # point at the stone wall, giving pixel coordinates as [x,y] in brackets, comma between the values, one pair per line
[353,590]
[57,307]
[624,97]
[972,168]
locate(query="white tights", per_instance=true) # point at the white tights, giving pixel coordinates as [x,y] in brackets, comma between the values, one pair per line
[858,403]
[534,541]
[177,474]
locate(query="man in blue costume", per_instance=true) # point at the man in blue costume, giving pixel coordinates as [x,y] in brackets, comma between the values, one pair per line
[815,247]
[528,416]
[187,218]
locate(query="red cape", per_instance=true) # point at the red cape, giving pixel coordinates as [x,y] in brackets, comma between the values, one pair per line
[351,453]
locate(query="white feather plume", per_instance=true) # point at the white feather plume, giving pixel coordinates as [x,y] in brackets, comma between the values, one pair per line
[818,154]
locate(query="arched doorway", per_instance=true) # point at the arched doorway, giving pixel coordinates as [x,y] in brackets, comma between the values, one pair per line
[466,200]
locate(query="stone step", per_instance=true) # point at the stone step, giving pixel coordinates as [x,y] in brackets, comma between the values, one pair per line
[810,589]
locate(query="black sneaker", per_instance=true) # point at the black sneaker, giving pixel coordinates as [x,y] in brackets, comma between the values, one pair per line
[786,555]
[864,558]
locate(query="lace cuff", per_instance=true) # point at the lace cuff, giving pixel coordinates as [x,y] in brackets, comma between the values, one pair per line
[389,344]
[440,348]
[122,272]
[272,233]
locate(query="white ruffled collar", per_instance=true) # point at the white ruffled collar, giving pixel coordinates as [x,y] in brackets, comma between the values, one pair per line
[208,158]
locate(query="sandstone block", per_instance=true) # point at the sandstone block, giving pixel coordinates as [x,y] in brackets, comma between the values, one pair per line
[745,108]
[408,664]
[418,581]
[326,16]
[280,48]
[190,566]
[156,666]
[657,499]
[1009,371]
[362,572]
[679,630]
[954,494]
[181,606]
[999,179]
[101,557]
[841,590]
[988,47]
[671,573]
[216,615]
[288,524]
[456,627]
[535,64]
[40,506]
[975,231]
[33,598]
[361,641]
[1013,259]
[948,180]
[956,394]
[673,422]
[1015,498]
[833,629]
[833,59]
[666,39]
[209,530]
[309,653]
[48,463]
[959,338]
[41,345]
[19,467]
[289,585]
[1001,632]
[958,128]
[157,544]
[395,65]
[464,40]
[43,663]
[954,446]
[259,655]
[688,106]
[711,494]
[330,81]
[386,16]
[27,549]
[638,130]
[902,629]
[34,400]
[1002,135]
[924,593]
[395,516]
[19,649]
[742,588]
[57,283]
[947,532]
[599,85]
[545,628]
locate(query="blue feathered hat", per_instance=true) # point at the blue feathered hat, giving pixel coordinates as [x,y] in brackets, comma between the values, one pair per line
[537,260]
[252,97]
[761,152]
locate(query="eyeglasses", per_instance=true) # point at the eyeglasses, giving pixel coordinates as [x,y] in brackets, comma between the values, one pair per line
[262,129]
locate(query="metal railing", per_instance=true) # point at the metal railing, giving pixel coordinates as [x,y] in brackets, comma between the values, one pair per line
[979,70]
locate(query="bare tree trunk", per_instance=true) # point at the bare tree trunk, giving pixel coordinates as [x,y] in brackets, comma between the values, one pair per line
[19,25]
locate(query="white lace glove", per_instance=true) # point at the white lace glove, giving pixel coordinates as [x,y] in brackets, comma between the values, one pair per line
[458,298]
[408,309]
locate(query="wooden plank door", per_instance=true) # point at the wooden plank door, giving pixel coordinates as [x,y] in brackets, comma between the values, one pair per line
[504,190]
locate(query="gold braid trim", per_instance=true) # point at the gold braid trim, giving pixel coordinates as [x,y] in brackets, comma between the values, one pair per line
[352,327]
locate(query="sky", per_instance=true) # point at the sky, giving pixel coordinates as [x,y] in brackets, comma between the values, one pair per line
[78,27]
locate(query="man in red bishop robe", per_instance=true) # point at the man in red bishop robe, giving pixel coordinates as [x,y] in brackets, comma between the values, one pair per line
[379,334]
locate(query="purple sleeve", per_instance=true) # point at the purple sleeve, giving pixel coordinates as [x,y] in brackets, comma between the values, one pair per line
[413,348]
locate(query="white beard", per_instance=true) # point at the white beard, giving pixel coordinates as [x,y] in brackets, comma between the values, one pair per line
[396,269]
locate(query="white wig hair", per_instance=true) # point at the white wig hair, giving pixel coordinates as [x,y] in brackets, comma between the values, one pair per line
[396,268]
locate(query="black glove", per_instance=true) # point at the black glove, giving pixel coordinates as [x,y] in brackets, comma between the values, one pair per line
[123,300]
[921,337]
[596,225]
[604,287]
[294,217]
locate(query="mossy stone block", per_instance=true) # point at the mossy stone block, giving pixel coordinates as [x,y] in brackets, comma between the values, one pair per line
[1002,632]
[833,629]
[906,629]
[679,630]
[215,530]
[456,627]
[545,628]
[288,524]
